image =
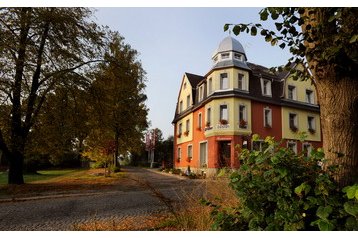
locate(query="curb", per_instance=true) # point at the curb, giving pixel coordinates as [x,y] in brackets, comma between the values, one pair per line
[167,174]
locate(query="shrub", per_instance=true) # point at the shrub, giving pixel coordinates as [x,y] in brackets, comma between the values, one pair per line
[279,190]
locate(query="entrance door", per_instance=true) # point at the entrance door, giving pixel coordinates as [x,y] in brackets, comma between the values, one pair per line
[224,154]
[203,154]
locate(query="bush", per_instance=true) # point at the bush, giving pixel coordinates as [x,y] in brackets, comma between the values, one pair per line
[279,190]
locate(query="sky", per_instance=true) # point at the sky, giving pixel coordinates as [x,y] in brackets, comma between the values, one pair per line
[172,41]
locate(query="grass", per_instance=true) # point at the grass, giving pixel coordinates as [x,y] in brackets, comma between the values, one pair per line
[42,175]
[60,182]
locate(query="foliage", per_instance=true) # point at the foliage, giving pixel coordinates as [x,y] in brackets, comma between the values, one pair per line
[279,190]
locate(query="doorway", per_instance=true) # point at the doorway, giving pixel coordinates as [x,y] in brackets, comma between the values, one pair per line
[203,154]
[224,154]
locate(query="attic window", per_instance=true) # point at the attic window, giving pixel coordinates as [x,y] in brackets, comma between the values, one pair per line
[238,56]
[266,87]
[184,85]
[225,55]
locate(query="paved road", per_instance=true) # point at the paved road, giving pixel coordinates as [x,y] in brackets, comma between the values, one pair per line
[61,213]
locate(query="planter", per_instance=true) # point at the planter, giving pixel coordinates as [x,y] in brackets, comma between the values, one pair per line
[223,122]
[312,131]
[186,133]
[243,124]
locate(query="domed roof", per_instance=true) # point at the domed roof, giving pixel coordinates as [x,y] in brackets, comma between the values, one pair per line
[229,44]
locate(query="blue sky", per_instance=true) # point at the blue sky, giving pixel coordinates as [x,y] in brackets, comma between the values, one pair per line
[172,41]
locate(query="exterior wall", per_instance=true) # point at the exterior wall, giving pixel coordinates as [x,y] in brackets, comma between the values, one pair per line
[257,111]
[302,115]
[232,128]
[185,138]
[301,87]
[233,75]
[184,92]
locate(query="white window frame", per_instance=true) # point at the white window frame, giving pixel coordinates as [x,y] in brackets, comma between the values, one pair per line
[187,125]
[244,113]
[191,151]
[200,120]
[264,83]
[188,101]
[294,92]
[309,97]
[222,116]
[223,80]
[181,106]
[208,115]
[210,86]
[292,143]
[313,122]
[225,55]
[269,122]
[180,128]
[309,150]
[201,93]
[243,82]
[295,119]
[261,143]
[238,56]
[179,153]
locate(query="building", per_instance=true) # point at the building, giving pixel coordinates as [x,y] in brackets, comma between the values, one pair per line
[235,100]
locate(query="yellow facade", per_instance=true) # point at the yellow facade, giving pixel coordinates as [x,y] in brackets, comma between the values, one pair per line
[232,128]
[185,138]
[301,87]
[233,75]
[185,91]
[302,123]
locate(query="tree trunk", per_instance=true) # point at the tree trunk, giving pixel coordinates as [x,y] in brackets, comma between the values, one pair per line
[16,163]
[338,99]
[116,150]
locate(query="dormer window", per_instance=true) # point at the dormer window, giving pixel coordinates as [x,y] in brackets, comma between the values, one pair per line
[201,93]
[266,87]
[210,85]
[225,55]
[292,92]
[238,56]
[309,96]
[223,81]
[188,101]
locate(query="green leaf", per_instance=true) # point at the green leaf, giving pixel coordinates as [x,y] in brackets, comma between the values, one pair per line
[268,38]
[323,212]
[325,225]
[253,31]
[353,39]
[278,26]
[351,191]
[236,29]
[274,41]
[274,15]
[263,15]
[226,27]
[351,208]
[282,45]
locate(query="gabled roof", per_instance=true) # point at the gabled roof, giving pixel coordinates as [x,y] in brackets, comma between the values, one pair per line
[194,79]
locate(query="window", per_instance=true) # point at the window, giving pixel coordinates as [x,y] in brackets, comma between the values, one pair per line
[190,151]
[223,81]
[238,56]
[201,93]
[309,96]
[266,87]
[210,85]
[242,116]
[267,117]
[180,129]
[259,145]
[180,106]
[199,121]
[188,101]
[311,124]
[292,146]
[187,125]
[179,153]
[225,55]
[184,85]
[223,114]
[306,149]
[241,82]
[215,59]
[291,92]
[293,121]
[208,117]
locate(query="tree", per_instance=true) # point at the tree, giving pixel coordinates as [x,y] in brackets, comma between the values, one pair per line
[118,107]
[39,48]
[325,41]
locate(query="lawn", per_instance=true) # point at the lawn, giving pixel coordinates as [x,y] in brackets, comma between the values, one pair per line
[41,175]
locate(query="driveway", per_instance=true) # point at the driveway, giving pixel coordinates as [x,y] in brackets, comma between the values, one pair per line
[137,196]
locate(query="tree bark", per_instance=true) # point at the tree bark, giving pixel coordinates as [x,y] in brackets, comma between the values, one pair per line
[338,99]
[116,150]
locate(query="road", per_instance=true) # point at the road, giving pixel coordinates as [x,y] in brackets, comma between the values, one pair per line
[140,197]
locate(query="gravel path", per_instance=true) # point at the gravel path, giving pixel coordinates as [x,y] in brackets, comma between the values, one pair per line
[62,213]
